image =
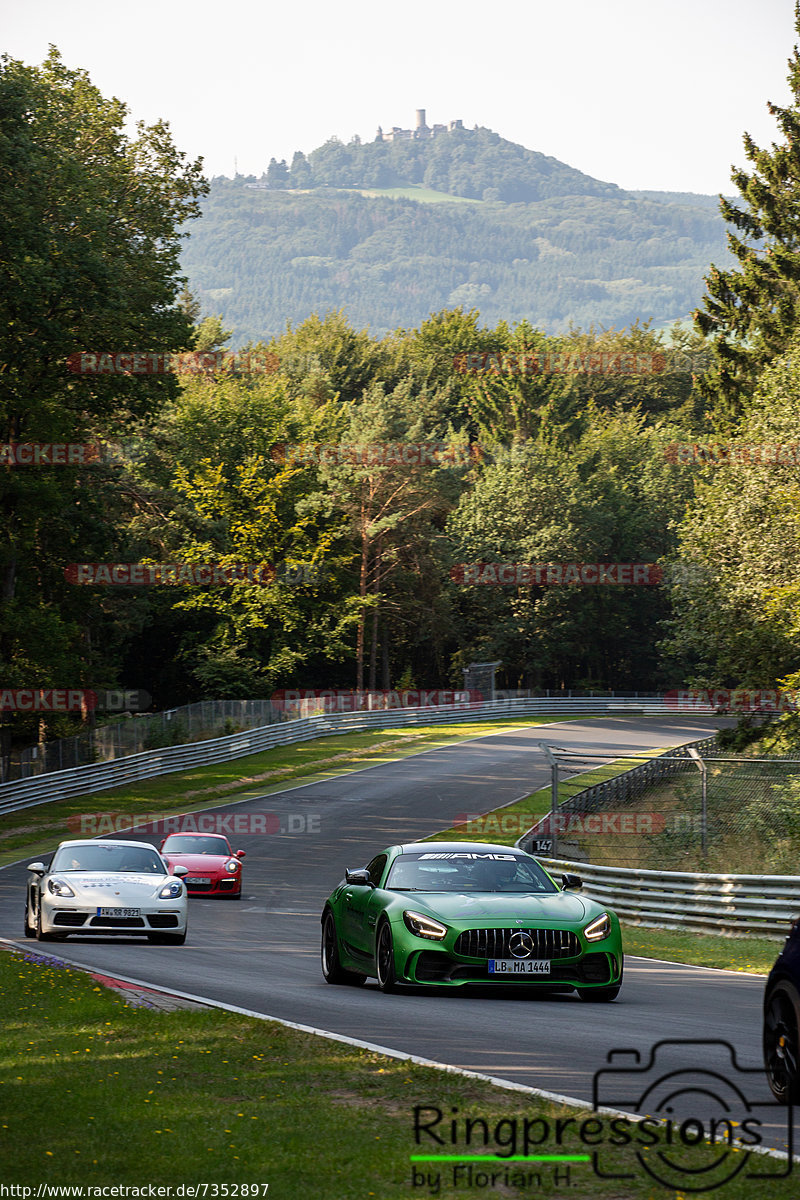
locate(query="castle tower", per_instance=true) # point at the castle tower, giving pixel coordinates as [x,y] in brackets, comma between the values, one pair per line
[421,130]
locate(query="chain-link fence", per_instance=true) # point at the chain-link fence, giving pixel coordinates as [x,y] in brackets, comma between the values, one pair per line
[684,812]
[145,731]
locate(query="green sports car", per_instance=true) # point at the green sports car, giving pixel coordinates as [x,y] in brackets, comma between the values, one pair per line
[452,913]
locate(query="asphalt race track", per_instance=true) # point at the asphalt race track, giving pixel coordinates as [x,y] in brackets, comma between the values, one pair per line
[262,953]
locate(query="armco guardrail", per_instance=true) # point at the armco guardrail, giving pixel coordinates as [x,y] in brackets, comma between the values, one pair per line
[96,777]
[733,904]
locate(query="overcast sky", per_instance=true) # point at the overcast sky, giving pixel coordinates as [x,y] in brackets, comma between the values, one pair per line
[643,93]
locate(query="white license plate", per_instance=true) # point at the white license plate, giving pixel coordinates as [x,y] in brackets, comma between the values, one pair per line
[196,879]
[119,912]
[518,966]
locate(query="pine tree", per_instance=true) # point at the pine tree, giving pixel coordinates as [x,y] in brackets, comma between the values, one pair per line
[752,311]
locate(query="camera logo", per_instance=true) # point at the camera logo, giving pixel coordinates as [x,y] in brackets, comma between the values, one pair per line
[700,1117]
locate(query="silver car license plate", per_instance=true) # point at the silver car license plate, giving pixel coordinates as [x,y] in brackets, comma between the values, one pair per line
[119,912]
[197,879]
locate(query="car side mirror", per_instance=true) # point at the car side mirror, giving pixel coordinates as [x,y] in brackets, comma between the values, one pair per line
[359,877]
[161,843]
[37,868]
[571,881]
[180,871]
[240,854]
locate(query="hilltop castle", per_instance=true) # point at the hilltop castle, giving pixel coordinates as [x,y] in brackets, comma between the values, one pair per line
[420,131]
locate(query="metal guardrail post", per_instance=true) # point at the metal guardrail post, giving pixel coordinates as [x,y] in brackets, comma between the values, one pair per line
[551,759]
[704,798]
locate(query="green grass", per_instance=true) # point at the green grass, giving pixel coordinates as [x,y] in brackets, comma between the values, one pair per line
[34,830]
[753,954]
[97,1092]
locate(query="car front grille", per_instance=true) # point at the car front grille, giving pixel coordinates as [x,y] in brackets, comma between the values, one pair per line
[493,943]
[117,923]
[163,920]
[69,918]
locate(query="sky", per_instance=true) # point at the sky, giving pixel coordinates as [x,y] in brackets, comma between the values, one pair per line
[641,93]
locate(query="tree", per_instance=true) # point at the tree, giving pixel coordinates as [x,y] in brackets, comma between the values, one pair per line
[277,174]
[751,312]
[736,598]
[90,224]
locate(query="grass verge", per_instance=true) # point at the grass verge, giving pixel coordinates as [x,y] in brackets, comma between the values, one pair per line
[752,954]
[98,1092]
[34,830]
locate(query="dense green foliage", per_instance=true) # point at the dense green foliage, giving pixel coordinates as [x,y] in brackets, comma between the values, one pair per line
[476,163]
[556,465]
[751,312]
[263,258]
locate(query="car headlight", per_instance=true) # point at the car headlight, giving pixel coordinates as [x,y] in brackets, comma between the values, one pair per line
[59,887]
[598,929]
[171,890]
[232,865]
[424,927]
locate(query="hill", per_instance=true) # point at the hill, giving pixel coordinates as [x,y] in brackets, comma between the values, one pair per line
[565,249]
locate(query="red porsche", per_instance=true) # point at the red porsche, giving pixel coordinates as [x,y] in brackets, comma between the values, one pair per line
[214,869]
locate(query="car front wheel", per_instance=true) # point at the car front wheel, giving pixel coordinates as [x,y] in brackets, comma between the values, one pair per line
[384,960]
[781,1041]
[30,930]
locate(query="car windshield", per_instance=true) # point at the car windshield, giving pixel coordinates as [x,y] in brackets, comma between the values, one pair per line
[100,857]
[196,845]
[468,871]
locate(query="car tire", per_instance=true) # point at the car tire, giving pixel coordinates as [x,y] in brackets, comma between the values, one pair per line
[599,995]
[30,931]
[332,968]
[40,936]
[781,1042]
[167,939]
[384,959]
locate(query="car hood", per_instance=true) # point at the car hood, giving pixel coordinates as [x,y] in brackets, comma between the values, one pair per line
[199,863]
[456,908]
[109,888]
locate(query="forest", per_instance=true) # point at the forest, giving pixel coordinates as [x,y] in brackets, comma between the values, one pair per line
[291,452]
[265,258]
